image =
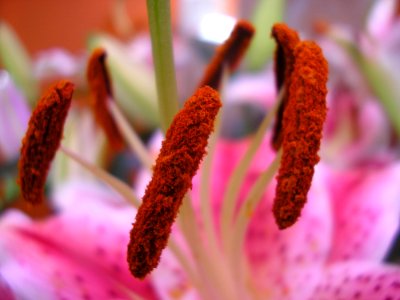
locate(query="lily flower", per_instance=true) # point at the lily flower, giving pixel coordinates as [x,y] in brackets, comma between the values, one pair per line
[241,232]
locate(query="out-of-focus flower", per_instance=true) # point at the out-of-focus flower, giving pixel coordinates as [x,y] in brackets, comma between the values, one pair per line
[225,243]
[362,124]
[14,116]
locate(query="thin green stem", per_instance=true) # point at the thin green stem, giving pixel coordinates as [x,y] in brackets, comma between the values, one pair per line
[161,40]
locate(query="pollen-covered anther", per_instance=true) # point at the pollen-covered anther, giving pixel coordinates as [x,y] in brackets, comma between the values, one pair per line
[286,39]
[302,124]
[42,140]
[179,158]
[101,92]
[229,54]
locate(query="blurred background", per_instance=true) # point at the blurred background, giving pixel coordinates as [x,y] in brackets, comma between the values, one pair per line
[44,23]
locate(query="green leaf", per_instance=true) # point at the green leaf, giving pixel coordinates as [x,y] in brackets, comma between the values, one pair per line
[266,14]
[15,58]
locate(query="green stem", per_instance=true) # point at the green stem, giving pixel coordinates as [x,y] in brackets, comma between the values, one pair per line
[161,39]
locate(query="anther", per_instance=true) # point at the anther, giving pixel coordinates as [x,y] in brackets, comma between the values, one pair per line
[302,123]
[286,39]
[42,140]
[228,54]
[179,158]
[101,92]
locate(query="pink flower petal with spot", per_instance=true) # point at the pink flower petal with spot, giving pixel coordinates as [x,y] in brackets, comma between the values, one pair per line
[366,210]
[277,255]
[78,254]
[227,155]
[359,281]
[171,282]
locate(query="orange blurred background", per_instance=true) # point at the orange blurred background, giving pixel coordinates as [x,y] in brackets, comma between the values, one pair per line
[42,24]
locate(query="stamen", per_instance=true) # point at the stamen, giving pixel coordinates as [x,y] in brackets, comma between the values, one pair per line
[42,140]
[121,187]
[229,53]
[101,91]
[178,161]
[131,137]
[230,199]
[302,123]
[286,39]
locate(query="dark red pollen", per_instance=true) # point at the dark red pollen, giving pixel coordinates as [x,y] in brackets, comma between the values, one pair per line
[303,118]
[286,39]
[179,158]
[42,140]
[229,54]
[101,92]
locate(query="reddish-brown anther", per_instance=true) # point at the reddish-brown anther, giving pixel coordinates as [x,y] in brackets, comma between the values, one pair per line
[179,158]
[303,119]
[101,92]
[286,39]
[228,54]
[42,140]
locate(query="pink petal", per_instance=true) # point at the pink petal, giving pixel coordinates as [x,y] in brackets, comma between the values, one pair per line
[77,254]
[228,153]
[171,282]
[82,194]
[5,290]
[381,19]
[366,210]
[359,281]
[276,254]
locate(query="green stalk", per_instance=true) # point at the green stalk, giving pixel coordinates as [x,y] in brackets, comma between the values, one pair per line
[161,39]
